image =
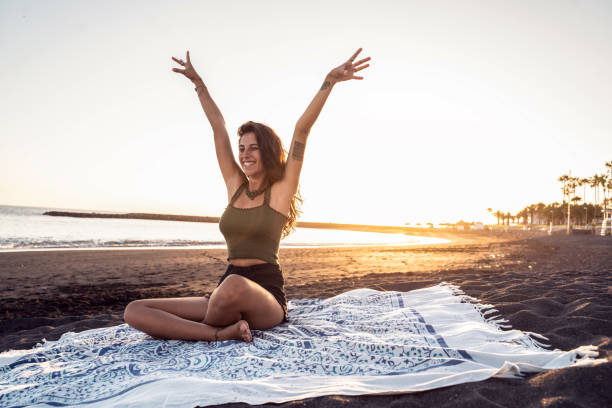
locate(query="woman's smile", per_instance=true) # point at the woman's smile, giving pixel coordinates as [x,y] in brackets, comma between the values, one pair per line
[249,153]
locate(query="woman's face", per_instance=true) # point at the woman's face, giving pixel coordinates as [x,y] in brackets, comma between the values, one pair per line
[249,155]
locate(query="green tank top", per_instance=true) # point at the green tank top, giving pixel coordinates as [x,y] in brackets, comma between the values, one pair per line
[252,232]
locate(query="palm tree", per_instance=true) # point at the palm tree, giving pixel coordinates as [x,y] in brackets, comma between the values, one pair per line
[600,180]
[556,212]
[575,200]
[533,209]
[539,208]
[522,214]
[584,182]
[499,215]
[596,181]
[607,185]
[569,188]
[564,179]
[572,184]
[593,185]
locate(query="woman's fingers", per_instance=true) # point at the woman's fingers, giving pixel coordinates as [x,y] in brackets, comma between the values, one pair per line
[361,61]
[360,68]
[355,55]
[178,61]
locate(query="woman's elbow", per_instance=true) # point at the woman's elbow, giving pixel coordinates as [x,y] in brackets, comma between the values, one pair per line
[301,130]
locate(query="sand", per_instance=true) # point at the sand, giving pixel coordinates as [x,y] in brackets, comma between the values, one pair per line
[559,286]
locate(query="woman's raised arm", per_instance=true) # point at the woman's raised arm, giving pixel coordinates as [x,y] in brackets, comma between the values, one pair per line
[344,72]
[229,168]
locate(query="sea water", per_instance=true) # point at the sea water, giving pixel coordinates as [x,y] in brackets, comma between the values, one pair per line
[26,228]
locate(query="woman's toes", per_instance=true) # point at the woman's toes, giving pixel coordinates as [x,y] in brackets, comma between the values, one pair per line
[245,331]
[237,331]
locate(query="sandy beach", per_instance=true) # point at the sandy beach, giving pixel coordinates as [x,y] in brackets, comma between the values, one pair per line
[559,286]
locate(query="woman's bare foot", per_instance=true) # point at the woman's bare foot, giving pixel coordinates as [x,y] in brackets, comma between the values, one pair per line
[237,331]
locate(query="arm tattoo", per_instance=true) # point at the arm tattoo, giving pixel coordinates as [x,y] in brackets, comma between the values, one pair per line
[298,151]
[325,85]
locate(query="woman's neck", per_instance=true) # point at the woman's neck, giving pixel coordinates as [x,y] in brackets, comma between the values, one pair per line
[256,183]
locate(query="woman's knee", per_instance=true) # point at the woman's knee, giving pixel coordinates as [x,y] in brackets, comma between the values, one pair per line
[133,310]
[231,291]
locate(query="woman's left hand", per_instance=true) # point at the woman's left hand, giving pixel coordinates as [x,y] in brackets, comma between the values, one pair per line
[347,70]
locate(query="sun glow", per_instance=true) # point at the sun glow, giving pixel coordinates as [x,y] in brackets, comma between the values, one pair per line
[458,112]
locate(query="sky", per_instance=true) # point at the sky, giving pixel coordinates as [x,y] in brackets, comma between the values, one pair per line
[466,105]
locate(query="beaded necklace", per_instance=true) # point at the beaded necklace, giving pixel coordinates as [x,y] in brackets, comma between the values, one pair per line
[253,194]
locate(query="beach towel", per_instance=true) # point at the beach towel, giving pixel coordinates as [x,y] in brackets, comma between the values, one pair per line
[360,342]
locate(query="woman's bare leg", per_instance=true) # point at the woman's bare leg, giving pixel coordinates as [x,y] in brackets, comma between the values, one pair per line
[240,298]
[181,319]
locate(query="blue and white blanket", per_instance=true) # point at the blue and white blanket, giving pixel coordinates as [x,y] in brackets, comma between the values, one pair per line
[360,342]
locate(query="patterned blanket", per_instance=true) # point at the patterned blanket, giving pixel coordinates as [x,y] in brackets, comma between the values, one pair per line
[360,342]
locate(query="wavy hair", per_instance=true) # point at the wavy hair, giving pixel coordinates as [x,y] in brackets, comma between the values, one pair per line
[274,160]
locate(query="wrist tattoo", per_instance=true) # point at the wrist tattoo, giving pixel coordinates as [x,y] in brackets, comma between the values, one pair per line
[298,151]
[325,85]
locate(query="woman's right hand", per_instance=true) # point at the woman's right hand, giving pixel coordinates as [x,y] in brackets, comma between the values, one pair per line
[189,70]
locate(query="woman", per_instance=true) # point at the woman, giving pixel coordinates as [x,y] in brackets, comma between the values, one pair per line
[262,194]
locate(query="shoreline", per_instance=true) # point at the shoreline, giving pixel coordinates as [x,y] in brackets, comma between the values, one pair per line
[444,237]
[178,248]
[212,247]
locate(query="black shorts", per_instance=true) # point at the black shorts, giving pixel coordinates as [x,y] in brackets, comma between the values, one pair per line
[268,276]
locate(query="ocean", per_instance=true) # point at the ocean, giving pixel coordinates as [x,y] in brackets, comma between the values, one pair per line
[26,228]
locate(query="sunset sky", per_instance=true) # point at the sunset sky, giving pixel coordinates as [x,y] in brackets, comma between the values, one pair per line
[467,104]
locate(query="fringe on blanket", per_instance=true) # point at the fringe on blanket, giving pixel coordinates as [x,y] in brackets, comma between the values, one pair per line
[529,338]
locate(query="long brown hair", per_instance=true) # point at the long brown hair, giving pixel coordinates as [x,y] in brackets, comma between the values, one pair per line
[274,160]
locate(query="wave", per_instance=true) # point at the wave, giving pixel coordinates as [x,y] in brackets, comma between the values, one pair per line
[20,243]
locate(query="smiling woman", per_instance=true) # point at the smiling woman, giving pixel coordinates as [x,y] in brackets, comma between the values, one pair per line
[263,206]
[261,154]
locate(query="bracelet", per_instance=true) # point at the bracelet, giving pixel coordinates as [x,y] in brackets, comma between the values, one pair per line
[201,88]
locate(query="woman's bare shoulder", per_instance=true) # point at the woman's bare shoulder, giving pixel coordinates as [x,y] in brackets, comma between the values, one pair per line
[280,197]
[233,184]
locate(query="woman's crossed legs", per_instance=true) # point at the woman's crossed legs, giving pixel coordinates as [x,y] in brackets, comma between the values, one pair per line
[237,305]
